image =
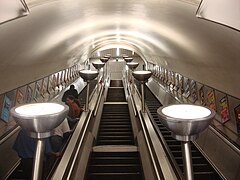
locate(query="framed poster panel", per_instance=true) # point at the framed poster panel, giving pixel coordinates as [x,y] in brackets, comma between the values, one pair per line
[62,77]
[43,87]
[37,91]
[73,73]
[49,84]
[193,91]
[186,93]
[165,76]
[237,117]
[58,79]
[171,80]
[19,98]
[77,71]
[5,113]
[202,96]
[69,74]
[29,94]
[54,83]
[211,99]
[224,110]
[66,76]
[181,81]
[176,79]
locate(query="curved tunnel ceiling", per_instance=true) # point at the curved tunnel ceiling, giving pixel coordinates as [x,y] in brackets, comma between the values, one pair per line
[58,33]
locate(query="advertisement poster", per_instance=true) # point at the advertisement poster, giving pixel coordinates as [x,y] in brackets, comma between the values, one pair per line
[202,96]
[43,87]
[165,76]
[176,82]
[193,90]
[181,84]
[49,84]
[66,76]
[6,109]
[37,91]
[224,110]
[62,77]
[162,74]
[69,74]
[186,88]
[58,79]
[54,82]
[73,72]
[19,97]
[211,100]
[237,116]
[29,94]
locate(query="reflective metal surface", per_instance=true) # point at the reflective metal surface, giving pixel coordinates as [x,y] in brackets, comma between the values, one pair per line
[98,65]
[184,128]
[107,56]
[39,124]
[128,59]
[88,75]
[142,75]
[104,60]
[132,65]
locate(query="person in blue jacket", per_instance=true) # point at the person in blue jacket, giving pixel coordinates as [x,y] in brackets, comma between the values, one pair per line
[25,147]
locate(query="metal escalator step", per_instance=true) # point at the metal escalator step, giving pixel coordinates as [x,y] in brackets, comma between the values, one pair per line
[115,133]
[123,121]
[114,130]
[115,160]
[120,137]
[116,168]
[115,142]
[115,176]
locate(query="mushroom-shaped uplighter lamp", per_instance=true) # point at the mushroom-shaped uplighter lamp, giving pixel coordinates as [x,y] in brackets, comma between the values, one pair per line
[186,121]
[142,76]
[132,66]
[98,66]
[39,119]
[87,76]
[128,59]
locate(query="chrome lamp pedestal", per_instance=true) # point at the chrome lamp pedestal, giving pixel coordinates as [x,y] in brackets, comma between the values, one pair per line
[39,119]
[98,66]
[132,66]
[104,60]
[186,121]
[87,76]
[142,76]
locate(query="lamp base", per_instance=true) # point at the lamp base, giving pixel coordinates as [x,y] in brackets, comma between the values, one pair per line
[39,135]
[184,138]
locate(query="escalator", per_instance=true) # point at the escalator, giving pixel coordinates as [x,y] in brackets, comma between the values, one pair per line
[202,169]
[115,154]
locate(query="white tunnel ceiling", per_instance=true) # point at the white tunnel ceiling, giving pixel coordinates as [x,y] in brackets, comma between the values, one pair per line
[58,33]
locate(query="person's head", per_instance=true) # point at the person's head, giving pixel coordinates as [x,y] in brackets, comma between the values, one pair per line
[72,87]
[70,99]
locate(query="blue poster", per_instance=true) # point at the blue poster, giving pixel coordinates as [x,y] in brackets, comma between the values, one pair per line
[6,109]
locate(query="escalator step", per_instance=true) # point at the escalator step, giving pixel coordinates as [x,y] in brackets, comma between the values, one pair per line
[115,176]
